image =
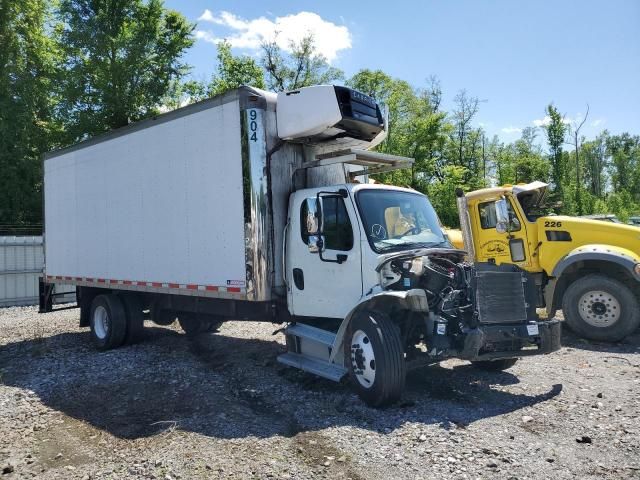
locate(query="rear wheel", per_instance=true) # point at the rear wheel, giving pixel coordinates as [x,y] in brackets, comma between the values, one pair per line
[159,315]
[108,322]
[376,358]
[195,324]
[495,365]
[598,307]
[135,318]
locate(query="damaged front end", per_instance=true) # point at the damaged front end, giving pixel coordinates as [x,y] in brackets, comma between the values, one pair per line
[473,311]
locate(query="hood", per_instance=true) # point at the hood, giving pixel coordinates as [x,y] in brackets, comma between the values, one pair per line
[584,231]
[420,252]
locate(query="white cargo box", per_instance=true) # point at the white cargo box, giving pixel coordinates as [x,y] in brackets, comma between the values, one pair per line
[157,206]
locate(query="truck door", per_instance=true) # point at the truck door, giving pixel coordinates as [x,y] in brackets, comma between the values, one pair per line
[324,282]
[493,246]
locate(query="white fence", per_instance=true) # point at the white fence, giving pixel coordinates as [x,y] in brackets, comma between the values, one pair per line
[21,264]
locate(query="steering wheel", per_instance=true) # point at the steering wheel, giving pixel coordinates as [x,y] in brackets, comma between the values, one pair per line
[378,231]
[413,230]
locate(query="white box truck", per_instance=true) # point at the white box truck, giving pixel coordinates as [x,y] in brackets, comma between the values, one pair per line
[248,206]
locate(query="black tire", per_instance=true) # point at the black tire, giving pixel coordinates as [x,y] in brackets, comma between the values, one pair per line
[108,322]
[159,315]
[194,325]
[388,367]
[610,305]
[135,318]
[495,365]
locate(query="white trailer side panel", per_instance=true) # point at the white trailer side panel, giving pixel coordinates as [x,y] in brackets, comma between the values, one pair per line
[160,204]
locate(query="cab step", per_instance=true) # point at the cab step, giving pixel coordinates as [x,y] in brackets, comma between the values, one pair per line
[323,337]
[313,365]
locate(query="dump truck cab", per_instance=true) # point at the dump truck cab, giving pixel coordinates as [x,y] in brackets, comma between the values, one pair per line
[588,268]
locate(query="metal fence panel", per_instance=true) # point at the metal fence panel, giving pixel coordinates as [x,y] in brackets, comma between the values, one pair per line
[21,263]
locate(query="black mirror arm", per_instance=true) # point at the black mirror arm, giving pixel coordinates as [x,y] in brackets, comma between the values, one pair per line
[340,258]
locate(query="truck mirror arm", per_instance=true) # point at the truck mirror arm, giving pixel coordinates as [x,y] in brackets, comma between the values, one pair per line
[341,193]
[340,258]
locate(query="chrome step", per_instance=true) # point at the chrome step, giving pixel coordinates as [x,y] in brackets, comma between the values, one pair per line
[318,335]
[312,365]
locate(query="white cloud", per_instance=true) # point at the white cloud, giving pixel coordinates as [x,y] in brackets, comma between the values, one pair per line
[542,122]
[329,37]
[511,129]
[597,122]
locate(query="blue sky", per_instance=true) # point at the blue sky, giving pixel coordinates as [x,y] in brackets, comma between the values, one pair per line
[517,56]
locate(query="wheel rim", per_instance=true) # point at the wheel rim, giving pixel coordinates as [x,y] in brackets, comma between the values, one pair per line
[599,308]
[101,322]
[363,360]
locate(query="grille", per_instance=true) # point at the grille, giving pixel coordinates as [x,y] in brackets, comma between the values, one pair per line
[500,297]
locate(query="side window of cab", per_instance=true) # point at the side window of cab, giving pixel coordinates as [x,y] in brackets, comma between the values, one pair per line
[488,218]
[337,229]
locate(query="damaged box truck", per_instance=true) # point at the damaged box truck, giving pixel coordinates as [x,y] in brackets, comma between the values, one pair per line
[256,206]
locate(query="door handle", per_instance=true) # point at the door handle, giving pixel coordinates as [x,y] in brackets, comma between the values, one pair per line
[298,278]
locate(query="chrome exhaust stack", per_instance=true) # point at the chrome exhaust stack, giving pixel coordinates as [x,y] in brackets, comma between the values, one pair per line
[465,224]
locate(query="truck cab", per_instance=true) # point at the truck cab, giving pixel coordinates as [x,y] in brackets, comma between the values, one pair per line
[588,268]
[374,287]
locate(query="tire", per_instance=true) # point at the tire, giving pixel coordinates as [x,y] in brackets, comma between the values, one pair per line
[108,322]
[375,358]
[161,316]
[598,307]
[495,365]
[194,325]
[135,319]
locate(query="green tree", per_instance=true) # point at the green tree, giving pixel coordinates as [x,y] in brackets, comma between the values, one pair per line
[416,128]
[595,158]
[27,98]
[556,131]
[121,59]
[234,71]
[302,67]
[530,164]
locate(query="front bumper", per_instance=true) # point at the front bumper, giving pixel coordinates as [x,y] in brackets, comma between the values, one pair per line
[493,342]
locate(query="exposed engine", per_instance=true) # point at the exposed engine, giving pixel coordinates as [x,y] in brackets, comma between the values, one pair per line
[458,302]
[441,273]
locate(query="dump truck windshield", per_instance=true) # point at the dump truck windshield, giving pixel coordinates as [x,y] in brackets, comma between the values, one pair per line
[395,220]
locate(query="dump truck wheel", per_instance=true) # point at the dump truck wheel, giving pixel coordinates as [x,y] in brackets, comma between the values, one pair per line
[495,365]
[135,318]
[108,322]
[598,307]
[375,358]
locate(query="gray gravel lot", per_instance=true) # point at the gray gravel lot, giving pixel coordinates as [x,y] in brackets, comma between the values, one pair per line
[221,407]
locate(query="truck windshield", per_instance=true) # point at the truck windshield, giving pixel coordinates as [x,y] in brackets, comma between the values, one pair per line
[395,220]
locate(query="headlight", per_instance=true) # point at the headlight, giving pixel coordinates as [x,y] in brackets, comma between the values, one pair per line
[636,269]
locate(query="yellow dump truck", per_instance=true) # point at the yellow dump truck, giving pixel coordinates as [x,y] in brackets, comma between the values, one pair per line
[588,268]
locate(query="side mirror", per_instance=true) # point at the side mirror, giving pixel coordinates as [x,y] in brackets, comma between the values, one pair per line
[502,216]
[313,216]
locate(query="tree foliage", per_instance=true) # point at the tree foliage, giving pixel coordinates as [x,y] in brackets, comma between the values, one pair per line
[28,59]
[120,59]
[234,71]
[303,67]
[556,131]
[88,66]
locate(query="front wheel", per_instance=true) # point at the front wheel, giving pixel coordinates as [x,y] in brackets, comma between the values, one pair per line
[601,308]
[376,358]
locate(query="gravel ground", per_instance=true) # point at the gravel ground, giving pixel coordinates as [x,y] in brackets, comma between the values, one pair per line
[222,407]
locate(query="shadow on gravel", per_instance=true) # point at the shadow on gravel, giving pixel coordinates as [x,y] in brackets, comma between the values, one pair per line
[630,344]
[227,387]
